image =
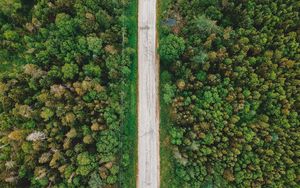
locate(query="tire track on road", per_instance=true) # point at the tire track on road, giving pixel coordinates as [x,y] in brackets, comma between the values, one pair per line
[148,100]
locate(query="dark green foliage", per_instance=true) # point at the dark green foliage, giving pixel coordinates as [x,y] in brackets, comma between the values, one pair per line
[61,112]
[234,93]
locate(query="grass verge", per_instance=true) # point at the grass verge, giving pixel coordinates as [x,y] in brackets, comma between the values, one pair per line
[130,125]
[167,176]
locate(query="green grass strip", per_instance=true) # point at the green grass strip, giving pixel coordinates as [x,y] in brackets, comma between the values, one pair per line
[130,131]
[167,176]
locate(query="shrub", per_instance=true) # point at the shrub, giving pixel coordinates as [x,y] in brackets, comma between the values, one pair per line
[171,48]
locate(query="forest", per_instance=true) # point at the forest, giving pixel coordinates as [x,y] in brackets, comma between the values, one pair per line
[230,79]
[65,73]
[229,93]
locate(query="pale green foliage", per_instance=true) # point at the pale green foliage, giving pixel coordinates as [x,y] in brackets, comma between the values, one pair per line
[94,45]
[206,25]
[95,181]
[46,114]
[69,71]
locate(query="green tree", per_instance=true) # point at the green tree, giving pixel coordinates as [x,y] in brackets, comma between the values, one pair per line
[171,48]
[92,70]
[10,7]
[69,71]
[205,25]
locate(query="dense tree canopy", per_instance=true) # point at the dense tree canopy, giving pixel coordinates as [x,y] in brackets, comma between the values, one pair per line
[62,108]
[234,93]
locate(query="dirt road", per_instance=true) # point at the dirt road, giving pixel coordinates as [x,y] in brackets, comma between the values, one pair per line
[148,100]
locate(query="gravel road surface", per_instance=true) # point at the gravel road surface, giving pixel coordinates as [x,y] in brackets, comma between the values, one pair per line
[148,100]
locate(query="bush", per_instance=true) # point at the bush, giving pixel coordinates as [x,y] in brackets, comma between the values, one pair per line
[171,48]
